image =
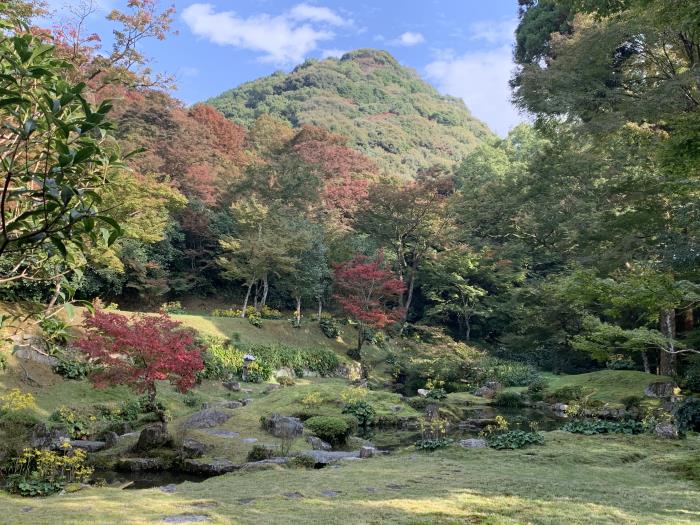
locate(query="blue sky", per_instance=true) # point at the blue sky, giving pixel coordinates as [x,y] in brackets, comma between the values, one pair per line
[462,47]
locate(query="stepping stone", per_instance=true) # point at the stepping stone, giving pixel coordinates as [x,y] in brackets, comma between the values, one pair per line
[246,501]
[250,440]
[86,445]
[186,518]
[169,489]
[204,504]
[293,495]
[394,486]
[27,509]
[371,490]
[222,433]
[330,493]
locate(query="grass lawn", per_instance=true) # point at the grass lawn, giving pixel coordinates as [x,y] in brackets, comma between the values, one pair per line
[572,479]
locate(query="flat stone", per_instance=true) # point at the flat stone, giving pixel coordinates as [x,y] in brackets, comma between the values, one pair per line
[234,386]
[271,388]
[368,452]
[293,495]
[222,433]
[246,501]
[371,490]
[265,464]
[247,401]
[169,489]
[209,467]
[86,445]
[318,444]
[186,518]
[330,493]
[27,509]
[395,486]
[138,464]
[323,457]
[472,443]
[249,440]
[193,448]
[207,418]
[231,405]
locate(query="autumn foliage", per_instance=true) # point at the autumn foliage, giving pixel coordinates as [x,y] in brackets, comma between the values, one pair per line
[368,292]
[138,352]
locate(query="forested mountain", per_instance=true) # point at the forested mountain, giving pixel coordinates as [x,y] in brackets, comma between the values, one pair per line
[385,109]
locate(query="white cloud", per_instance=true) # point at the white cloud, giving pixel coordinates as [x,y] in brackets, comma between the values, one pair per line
[481,79]
[493,32]
[409,38]
[334,53]
[283,39]
[315,13]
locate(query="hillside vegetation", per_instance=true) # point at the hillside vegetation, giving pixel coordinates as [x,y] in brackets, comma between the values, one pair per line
[385,109]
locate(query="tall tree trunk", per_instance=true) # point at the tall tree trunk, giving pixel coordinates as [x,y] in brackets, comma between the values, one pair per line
[255,296]
[667,360]
[297,312]
[645,361]
[266,288]
[320,308]
[467,327]
[409,297]
[54,297]
[245,301]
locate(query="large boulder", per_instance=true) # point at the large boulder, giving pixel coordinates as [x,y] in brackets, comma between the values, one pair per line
[317,443]
[44,436]
[87,446]
[283,426]
[666,430]
[208,418]
[368,452]
[660,389]
[191,448]
[209,467]
[264,464]
[233,386]
[139,464]
[32,348]
[322,457]
[153,436]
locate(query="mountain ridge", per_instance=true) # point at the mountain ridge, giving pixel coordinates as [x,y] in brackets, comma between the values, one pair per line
[386,110]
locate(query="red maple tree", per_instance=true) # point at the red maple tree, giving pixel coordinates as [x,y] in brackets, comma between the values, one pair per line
[138,352]
[368,293]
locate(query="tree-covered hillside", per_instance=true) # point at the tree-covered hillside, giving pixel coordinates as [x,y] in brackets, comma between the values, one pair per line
[385,109]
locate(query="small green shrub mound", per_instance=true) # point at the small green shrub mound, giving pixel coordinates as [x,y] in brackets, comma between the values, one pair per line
[433,444]
[590,427]
[265,313]
[260,452]
[172,307]
[320,360]
[688,415]
[363,412]
[221,360]
[514,439]
[632,402]
[73,369]
[691,376]
[302,461]
[329,327]
[285,381]
[508,399]
[437,394]
[566,394]
[334,430]
[258,372]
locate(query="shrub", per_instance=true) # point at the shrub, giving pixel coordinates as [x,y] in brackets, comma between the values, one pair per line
[258,372]
[55,331]
[334,430]
[270,313]
[320,360]
[302,461]
[620,362]
[437,394]
[73,369]
[221,361]
[688,415]
[508,399]
[691,376]
[566,394]
[514,439]
[329,327]
[190,399]
[433,444]
[172,307]
[43,472]
[363,412]
[18,409]
[508,373]
[590,427]
[312,399]
[78,426]
[285,381]
[260,453]
[631,402]
[353,394]
[255,320]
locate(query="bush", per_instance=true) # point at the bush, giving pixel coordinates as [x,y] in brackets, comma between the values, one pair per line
[691,376]
[437,394]
[55,331]
[508,373]
[172,307]
[619,362]
[334,430]
[508,399]
[73,369]
[329,327]
[221,361]
[43,472]
[514,439]
[362,411]
[260,453]
[631,402]
[78,426]
[433,444]
[312,399]
[265,313]
[255,320]
[320,360]
[688,415]
[566,394]
[302,461]
[590,427]
[285,381]
[190,399]
[258,372]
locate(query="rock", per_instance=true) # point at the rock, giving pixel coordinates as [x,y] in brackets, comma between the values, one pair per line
[271,388]
[231,405]
[139,464]
[222,433]
[368,452]
[192,448]
[211,417]
[330,493]
[422,392]
[32,348]
[265,464]
[209,467]
[233,386]
[293,495]
[350,371]
[247,390]
[111,439]
[44,436]
[120,427]
[247,401]
[186,518]
[396,408]
[485,391]
[153,436]
[560,407]
[317,443]
[660,389]
[249,440]
[283,426]
[86,445]
[472,443]
[322,457]
[169,489]
[666,430]
[285,372]
[494,385]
